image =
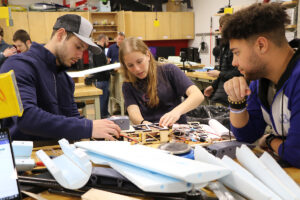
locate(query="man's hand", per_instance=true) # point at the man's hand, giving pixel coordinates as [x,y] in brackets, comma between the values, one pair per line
[262,141]
[169,118]
[208,91]
[237,88]
[9,51]
[106,129]
[213,73]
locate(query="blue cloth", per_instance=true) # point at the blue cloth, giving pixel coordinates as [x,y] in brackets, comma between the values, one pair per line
[113,53]
[47,96]
[172,85]
[286,104]
[104,86]
[3,46]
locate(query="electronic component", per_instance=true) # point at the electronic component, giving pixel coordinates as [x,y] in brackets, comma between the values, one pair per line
[228,148]
[122,121]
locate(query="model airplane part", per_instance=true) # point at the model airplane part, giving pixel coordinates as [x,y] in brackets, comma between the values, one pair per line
[93,70]
[22,149]
[247,158]
[269,161]
[71,170]
[219,129]
[147,134]
[24,164]
[145,157]
[240,180]
[22,153]
[245,183]
[147,181]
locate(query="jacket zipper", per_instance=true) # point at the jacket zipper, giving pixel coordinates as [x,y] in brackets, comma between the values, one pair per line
[55,84]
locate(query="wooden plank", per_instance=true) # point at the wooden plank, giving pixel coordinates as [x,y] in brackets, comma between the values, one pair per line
[201,75]
[87,91]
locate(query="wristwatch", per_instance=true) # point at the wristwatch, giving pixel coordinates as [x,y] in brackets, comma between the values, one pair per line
[269,139]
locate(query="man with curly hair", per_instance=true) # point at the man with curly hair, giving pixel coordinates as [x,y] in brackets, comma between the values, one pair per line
[263,55]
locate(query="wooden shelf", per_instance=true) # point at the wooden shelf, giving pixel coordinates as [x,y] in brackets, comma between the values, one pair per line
[105,32]
[289,4]
[95,26]
[219,14]
[103,13]
[291,27]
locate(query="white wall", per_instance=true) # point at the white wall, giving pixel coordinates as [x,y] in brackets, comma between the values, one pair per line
[204,10]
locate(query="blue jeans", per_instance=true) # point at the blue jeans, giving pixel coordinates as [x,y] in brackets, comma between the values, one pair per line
[104,86]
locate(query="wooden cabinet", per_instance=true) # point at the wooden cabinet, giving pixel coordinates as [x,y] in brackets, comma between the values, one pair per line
[188,25]
[172,25]
[106,23]
[20,21]
[182,25]
[161,32]
[39,25]
[135,24]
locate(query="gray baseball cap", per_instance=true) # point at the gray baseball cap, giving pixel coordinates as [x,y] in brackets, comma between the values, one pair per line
[80,27]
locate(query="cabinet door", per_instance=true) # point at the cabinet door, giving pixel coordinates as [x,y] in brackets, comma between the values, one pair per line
[182,25]
[188,25]
[175,25]
[50,19]
[135,25]
[37,27]
[161,32]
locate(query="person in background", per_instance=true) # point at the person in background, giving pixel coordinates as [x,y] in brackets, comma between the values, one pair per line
[113,50]
[113,57]
[102,78]
[226,71]
[47,91]
[5,49]
[21,40]
[263,55]
[153,93]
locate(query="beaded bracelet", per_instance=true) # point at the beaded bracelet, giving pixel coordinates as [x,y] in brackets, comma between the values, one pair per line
[237,104]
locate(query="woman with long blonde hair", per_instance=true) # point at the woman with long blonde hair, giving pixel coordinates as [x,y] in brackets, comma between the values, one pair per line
[153,93]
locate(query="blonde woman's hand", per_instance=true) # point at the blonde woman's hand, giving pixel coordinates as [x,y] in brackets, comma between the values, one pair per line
[169,118]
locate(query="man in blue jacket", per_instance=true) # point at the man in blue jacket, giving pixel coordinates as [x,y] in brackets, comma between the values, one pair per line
[262,53]
[5,49]
[47,91]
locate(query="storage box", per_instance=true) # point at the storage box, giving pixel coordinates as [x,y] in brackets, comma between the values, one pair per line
[173,6]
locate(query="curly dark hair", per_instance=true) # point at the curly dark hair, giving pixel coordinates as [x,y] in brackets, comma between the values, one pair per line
[267,19]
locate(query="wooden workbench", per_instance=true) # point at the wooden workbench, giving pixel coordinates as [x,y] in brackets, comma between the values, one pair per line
[201,76]
[84,93]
